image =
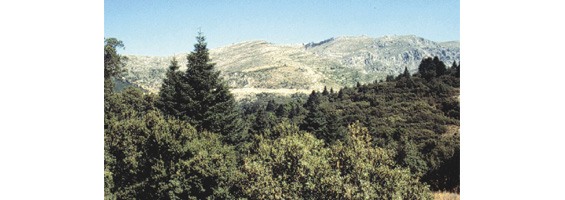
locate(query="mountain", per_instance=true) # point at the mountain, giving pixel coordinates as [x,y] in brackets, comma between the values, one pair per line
[259,66]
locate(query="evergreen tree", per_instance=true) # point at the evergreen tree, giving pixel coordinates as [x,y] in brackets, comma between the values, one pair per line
[406,74]
[315,122]
[283,110]
[199,95]
[325,92]
[296,110]
[171,90]
[271,105]
[264,121]
[431,67]
[313,100]
[440,67]
[334,129]
[322,120]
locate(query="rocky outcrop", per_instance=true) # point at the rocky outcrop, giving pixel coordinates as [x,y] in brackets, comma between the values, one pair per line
[335,62]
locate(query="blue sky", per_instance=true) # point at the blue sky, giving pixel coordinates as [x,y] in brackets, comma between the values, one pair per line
[164,28]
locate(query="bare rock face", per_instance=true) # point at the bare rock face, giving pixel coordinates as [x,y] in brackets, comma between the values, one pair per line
[388,54]
[260,66]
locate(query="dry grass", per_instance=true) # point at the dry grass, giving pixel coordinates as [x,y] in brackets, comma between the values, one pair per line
[445,196]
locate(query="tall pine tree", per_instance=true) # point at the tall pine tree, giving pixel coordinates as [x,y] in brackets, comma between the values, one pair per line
[199,95]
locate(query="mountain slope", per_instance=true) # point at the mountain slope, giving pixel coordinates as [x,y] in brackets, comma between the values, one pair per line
[388,54]
[260,66]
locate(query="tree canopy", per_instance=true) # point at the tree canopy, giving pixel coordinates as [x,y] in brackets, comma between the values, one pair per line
[384,140]
[114,63]
[199,96]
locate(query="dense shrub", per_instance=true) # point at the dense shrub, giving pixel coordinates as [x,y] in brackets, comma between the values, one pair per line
[153,157]
[299,166]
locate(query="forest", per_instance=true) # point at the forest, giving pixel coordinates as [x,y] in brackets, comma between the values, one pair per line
[396,138]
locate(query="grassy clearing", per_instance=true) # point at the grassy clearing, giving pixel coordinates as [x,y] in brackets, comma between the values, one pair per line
[445,196]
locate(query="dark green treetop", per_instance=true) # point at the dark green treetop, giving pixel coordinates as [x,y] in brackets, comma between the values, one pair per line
[406,74]
[325,92]
[199,95]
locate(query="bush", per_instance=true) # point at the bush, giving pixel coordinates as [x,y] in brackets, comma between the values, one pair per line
[299,166]
[157,158]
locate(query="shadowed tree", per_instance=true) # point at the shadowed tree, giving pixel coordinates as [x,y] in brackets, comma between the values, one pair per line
[325,92]
[440,67]
[406,74]
[271,105]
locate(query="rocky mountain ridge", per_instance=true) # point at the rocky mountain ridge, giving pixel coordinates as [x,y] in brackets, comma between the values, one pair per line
[259,66]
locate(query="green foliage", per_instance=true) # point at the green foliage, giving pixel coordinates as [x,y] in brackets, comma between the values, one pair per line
[299,166]
[315,121]
[431,67]
[283,110]
[154,157]
[263,122]
[454,70]
[182,143]
[408,115]
[114,63]
[199,96]
[322,119]
[271,106]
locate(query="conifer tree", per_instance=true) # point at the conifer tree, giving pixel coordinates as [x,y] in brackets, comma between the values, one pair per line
[296,109]
[264,121]
[334,130]
[271,105]
[440,67]
[340,94]
[325,92]
[431,67]
[282,111]
[315,122]
[322,120]
[406,74]
[313,100]
[199,95]
[171,90]
[454,65]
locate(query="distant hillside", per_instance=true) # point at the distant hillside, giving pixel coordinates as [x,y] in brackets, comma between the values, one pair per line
[259,66]
[389,54]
